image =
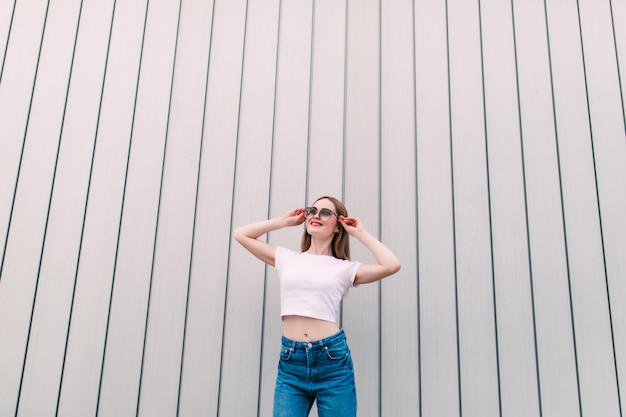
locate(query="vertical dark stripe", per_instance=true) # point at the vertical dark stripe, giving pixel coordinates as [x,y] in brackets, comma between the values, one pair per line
[345,113]
[456,285]
[308,130]
[595,178]
[417,236]
[565,240]
[19,166]
[232,205]
[380,205]
[269,211]
[145,333]
[43,245]
[6,46]
[528,242]
[490,207]
[195,213]
[345,118]
[158,217]
[619,75]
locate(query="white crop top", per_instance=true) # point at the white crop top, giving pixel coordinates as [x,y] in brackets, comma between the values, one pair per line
[312,285]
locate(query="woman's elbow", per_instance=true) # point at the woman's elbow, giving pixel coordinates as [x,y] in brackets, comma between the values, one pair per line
[392,267]
[238,235]
[395,267]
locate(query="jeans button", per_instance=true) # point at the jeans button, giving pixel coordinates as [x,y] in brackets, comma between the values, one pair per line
[310,345]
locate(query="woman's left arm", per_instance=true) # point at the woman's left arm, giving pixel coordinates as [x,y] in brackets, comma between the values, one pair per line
[388,263]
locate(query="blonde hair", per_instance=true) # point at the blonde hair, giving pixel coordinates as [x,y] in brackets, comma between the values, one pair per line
[341,241]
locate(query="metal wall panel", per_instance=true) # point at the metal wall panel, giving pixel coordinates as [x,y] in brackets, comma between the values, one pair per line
[438,346]
[483,141]
[398,203]
[361,307]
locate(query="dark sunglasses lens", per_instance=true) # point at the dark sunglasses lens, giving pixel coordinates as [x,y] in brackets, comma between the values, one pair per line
[310,211]
[325,213]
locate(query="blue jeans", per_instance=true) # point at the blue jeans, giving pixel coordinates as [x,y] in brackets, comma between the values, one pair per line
[320,370]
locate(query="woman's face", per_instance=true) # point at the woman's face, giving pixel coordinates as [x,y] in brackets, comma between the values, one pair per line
[323,228]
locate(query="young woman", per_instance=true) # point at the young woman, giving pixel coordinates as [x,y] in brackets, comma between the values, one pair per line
[315,362]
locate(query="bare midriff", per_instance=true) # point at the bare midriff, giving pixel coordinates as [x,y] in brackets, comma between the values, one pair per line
[306,329]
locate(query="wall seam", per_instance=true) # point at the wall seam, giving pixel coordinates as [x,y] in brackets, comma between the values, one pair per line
[6,46]
[158,216]
[454,245]
[417,229]
[561,193]
[527,222]
[230,237]
[617,61]
[490,208]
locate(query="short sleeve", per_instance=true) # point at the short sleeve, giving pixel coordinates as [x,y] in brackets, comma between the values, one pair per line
[352,270]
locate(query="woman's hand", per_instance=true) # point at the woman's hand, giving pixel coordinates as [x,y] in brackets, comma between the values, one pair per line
[294,217]
[352,225]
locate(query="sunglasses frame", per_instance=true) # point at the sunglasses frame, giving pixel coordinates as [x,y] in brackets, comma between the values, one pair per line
[324,213]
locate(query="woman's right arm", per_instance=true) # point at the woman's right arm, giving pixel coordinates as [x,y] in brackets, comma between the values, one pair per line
[248,235]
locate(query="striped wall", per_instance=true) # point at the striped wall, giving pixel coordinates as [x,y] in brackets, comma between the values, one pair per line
[484,141]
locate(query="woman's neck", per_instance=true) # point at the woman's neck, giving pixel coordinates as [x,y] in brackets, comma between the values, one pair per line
[320,247]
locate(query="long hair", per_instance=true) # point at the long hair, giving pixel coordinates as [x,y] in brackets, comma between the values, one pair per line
[341,241]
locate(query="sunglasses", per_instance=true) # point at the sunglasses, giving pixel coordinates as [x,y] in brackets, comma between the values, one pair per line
[323,213]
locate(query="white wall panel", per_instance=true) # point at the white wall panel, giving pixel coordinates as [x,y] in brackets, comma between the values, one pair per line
[514,310]
[361,307]
[558,380]
[439,376]
[193,62]
[472,226]
[28,216]
[326,133]
[399,307]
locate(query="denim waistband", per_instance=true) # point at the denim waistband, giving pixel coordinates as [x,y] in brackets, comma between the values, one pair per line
[338,337]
